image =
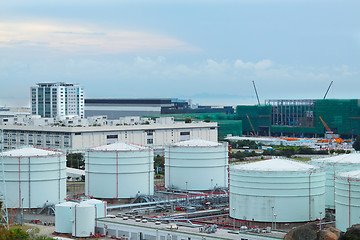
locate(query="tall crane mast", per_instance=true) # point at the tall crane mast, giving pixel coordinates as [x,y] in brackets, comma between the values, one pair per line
[328,89]
[257,96]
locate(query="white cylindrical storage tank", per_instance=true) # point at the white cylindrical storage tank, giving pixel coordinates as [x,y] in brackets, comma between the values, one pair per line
[34,177]
[119,170]
[347,199]
[196,165]
[84,220]
[333,165]
[278,190]
[64,217]
[100,207]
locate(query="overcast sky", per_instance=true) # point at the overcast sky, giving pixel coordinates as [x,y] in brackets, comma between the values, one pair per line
[207,51]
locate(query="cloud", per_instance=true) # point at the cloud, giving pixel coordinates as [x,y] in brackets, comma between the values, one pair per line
[262,64]
[84,39]
[208,81]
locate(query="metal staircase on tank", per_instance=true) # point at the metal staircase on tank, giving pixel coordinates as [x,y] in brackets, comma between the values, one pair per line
[4,221]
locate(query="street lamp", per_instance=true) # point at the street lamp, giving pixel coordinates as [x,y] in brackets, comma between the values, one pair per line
[272,217]
[22,211]
[320,220]
[233,218]
[275,220]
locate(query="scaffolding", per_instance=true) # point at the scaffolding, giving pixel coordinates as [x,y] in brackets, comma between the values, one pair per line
[3,209]
[298,113]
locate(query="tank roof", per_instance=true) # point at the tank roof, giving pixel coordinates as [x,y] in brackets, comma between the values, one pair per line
[119,146]
[275,164]
[29,151]
[197,143]
[352,174]
[342,158]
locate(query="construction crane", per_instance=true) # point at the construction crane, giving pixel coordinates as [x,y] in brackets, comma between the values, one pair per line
[251,125]
[335,139]
[257,96]
[328,89]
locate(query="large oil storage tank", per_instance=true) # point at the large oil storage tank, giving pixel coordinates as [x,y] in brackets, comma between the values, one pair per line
[64,217]
[84,220]
[34,177]
[278,190]
[119,170]
[196,165]
[332,165]
[347,199]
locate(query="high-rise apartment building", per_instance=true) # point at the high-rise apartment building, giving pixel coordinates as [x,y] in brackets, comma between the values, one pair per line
[57,99]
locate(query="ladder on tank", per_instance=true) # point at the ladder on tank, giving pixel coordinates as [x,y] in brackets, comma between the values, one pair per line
[4,221]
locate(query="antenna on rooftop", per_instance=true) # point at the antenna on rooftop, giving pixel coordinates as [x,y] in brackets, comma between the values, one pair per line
[328,89]
[256,92]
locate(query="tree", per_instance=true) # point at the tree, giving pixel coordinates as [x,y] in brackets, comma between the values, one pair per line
[159,162]
[75,160]
[188,120]
[356,144]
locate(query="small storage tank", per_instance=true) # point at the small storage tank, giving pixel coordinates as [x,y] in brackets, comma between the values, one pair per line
[347,199]
[100,207]
[84,220]
[278,190]
[196,165]
[64,217]
[34,177]
[332,165]
[119,170]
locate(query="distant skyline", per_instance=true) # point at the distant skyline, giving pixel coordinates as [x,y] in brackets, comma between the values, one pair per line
[207,51]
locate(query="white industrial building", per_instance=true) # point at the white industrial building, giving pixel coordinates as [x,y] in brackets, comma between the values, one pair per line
[58,137]
[277,190]
[133,229]
[57,99]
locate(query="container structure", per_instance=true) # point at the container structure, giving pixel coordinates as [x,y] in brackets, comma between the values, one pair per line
[277,190]
[84,220]
[100,207]
[196,165]
[34,177]
[333,165]
[64,217]
[347,199]
[119,170]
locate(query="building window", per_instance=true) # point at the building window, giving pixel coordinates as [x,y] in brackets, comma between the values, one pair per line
[66,141]
[31,139]
[22,139]
[48,141]
[57,141]
[38,140]
[150,141]
[184,136]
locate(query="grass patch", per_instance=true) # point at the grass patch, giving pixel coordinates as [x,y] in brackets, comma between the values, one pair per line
[302,159]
